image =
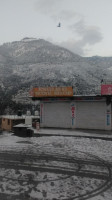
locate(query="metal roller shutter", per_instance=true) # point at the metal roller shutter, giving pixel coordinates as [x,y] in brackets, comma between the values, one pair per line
[90,115]
[57,115]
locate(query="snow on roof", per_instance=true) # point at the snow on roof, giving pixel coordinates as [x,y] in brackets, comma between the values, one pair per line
[13,117]
[19,117]
[23,125]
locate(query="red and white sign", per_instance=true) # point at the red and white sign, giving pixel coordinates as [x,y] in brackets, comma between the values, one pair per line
[73,113]
[106,89]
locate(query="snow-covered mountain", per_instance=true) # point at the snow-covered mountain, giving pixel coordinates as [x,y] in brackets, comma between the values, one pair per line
[102,67]
[31,62]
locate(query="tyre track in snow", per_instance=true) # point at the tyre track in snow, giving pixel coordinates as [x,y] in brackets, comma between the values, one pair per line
[80,167]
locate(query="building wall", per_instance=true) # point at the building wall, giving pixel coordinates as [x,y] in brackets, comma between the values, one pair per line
[6,124]
[76,114]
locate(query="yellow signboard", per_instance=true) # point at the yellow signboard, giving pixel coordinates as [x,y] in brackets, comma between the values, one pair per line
[52,92]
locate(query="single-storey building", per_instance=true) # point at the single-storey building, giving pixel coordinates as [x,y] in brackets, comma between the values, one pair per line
[88,112]
[9,121]
[76,112]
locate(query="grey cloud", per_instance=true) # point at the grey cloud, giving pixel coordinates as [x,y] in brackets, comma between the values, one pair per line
[90,35]
[81,46]
[68,15]
[75,46]
[79,27]
[48,6]
[65,14]
[54,9]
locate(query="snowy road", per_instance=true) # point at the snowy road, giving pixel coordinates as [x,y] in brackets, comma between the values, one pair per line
[55,168]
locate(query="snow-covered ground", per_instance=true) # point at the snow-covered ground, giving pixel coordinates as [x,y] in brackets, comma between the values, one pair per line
[55,168]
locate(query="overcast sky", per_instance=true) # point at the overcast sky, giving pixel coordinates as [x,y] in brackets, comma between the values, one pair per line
[86,27]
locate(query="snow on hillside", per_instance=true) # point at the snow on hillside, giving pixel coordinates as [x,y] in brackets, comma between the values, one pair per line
[31,62]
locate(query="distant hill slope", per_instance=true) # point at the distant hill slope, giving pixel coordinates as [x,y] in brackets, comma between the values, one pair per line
[31,62]
[102,66]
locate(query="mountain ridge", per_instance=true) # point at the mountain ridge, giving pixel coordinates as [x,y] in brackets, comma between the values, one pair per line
[33,62]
